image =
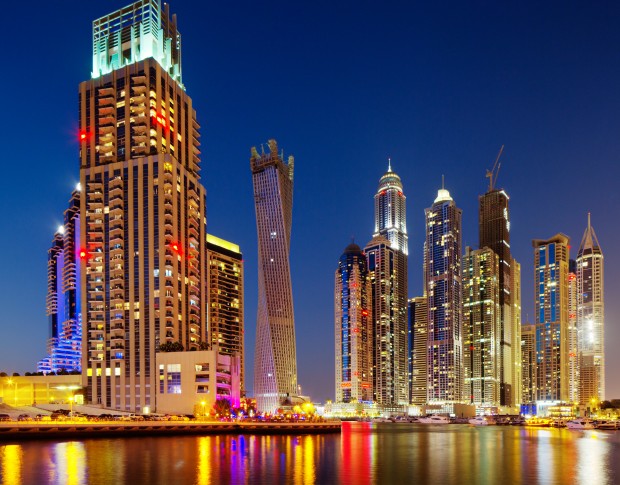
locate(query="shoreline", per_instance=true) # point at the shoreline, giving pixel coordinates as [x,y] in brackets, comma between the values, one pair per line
[46,430]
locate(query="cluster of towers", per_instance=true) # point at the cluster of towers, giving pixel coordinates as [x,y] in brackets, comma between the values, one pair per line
[462,340]
[132,270]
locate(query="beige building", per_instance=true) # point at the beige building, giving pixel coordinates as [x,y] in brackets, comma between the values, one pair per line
[225,298]
[143,217]
[191,382]
[29,390]
[528,363]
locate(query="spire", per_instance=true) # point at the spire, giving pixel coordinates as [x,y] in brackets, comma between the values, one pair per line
[443,185]
[389,164]
[589,242]
[589,226]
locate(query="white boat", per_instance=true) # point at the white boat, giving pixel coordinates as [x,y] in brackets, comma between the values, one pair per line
[606,425]
[381,420]
[583,423]
[434,419]
[481,421]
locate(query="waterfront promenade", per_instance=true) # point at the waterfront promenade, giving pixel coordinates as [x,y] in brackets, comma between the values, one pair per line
[10,431]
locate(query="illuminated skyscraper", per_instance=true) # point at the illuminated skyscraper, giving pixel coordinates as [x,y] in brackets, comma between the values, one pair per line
[591,318]
[275,359]
[443,287]
[143,214]
[418,339]
[573,351]
[64,347]
[515,286]
[225,298]
[494,232]
[528,362]
[353,317]
[481,326]
[387,259]
[551,309]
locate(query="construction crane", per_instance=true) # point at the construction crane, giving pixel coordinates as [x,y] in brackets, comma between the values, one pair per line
[494,172]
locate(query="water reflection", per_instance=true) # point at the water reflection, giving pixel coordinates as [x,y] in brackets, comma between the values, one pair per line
[363,454]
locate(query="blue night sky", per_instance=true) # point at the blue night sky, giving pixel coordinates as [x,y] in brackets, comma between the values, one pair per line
[342,86]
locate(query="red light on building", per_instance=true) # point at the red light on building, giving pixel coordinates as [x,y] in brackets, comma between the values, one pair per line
[83,135]
[83,254]
[471,347]
[160,120]
[356,330]
[364,313]
[176,247]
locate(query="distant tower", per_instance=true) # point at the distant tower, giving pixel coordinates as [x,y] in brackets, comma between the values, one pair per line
[443,287]
[591,317]
[515,286]
[481,326]
[390,323]
[275,359]
[352,300]
[551,308]
[494,232]
[225,299]
[64,347]
[528,362]
[573,351]
[418,339]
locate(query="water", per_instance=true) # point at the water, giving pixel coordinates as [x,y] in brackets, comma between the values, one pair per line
[363,454]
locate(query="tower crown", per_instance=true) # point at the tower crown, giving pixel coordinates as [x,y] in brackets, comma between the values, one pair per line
[136,32]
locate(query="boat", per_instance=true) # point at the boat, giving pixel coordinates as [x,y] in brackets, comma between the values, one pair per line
[559,423]
[381,420]
[603,424]
[482,421]
[538,422]
[434,419]
[583,423]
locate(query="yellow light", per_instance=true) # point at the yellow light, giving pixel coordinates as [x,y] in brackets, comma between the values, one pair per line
[222,243]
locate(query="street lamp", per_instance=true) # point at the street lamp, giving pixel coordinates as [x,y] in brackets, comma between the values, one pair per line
[71,406]
[203,404]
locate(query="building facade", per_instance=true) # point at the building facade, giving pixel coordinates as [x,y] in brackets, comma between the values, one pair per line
[528,363]
[591,318]
[573,350]
[353,327]
[191,382]
[443,249]
[494,233]
[225,299]
[64,346]
[481,327]
[418,340]
[551,309]
[275,360]
[142,207]
[515,286]
[390,371]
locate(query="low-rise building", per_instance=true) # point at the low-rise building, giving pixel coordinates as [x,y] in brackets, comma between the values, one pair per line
[32,390]
[191,382]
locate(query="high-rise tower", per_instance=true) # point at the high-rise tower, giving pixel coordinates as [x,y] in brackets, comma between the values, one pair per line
[418,338]
[143,214]
[573,350]
[352,304]
[275,359]
[225,299]
[551,309]
[528,363]
[64,347]
[481,326]
[494,233]
[591,318]
[443,288]
[390,373]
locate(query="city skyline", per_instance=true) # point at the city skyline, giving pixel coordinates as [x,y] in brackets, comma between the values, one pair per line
[419,160]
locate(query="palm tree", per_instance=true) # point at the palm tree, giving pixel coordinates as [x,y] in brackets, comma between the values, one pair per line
[222,407]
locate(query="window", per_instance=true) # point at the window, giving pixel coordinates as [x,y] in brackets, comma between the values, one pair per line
[174,378]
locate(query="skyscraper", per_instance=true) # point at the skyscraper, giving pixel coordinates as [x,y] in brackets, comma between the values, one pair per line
[225,299]
[515,286]
[494,232]
[551,309]
[443,288]
[418,339]
[573,351]
[143,214]
[481,326]
[275,360]
[64,347]
[353,325]
[591,317]
[390,369]
[528,362]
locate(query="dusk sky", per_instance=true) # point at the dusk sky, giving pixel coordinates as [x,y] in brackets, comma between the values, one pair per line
[342,86]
